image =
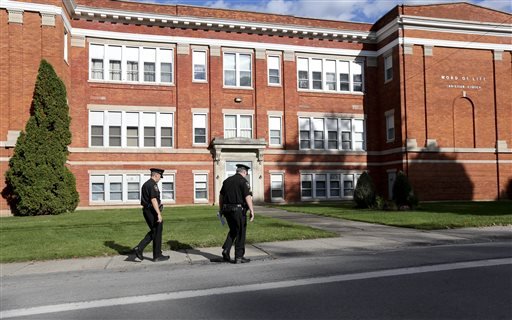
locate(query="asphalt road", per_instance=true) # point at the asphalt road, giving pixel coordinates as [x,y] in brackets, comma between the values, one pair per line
[442,282]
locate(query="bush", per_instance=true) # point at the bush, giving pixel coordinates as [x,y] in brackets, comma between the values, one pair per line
[364,194]
[403,194]
[39,181]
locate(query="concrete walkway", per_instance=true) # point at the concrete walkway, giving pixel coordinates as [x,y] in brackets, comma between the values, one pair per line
[351,236]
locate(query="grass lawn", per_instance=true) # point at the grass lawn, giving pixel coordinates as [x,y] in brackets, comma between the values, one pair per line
[116,231]
[430,215]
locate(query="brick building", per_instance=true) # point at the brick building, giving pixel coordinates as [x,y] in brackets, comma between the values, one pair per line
[308,104]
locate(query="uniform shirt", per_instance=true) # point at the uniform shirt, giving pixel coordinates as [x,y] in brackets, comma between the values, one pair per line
[235,189]
[149,191]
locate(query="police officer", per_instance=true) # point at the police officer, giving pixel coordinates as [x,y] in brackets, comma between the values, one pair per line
[235,198]
[151,208]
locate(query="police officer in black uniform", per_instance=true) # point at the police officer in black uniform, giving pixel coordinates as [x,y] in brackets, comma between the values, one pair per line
[151,208]
[234,201]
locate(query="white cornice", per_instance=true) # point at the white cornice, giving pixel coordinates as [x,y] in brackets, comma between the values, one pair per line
[36,7]
[456,44]
[488,28]
[218,42]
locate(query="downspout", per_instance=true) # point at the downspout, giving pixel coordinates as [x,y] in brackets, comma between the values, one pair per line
[495,126]
[401,29]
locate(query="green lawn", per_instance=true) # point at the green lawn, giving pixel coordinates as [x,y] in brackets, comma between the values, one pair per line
[111,232]
[429,216]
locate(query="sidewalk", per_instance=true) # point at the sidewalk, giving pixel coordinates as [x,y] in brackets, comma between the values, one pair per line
[352,236]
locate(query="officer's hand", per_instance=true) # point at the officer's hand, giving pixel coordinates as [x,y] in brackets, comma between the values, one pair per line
[252,215]
[159,219]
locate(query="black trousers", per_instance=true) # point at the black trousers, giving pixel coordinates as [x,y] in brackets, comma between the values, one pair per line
[237,222]
[154,234]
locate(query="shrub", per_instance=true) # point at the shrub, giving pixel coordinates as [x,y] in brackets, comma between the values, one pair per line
[39,181]
[364,194]
[403,194]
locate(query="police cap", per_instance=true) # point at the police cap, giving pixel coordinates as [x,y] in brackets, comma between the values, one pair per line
[243,166]
[160,171]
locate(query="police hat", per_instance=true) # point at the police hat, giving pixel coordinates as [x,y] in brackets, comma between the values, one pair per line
[243,166]
[160,171]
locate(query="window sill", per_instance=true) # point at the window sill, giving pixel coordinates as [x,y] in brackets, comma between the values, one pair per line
[132,83]
[354,93]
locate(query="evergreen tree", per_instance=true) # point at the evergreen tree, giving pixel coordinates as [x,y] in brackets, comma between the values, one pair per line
[403,195]
[364,194]
[37,176]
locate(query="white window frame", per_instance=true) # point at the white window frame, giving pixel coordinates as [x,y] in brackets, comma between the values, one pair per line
[196,62]
[66,39]
[125,178]
[354,141]
[305,64]
[195,126]
[390,125]
[161,55]
[106,119]
[271,128]
[274,175]
[198,177]
[238,128]
[270,63]
[237,70]
[388,68]
[317,176]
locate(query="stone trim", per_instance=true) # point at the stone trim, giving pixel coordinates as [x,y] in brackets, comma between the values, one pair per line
[47,19]
[183,48]
[15,16]
[428,52]
[498,55]
[78,41]
[215,51]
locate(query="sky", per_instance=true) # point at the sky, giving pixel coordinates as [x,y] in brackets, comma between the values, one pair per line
[344,10]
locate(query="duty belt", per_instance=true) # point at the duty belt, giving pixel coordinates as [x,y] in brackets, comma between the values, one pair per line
[228,206]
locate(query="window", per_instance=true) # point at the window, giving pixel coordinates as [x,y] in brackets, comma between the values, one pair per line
[133,187]
[388,68]
[200,186]
[390,126]
[130,129]
[274,70]
[132,64]
[330,75]
[96,122]
[237,126]
[325,134]
[149,58]
[96,52]
[114,62]
[274,124]
[114,129]
[199,65]
[166,129]
[277,187]
[125,188]
[165,56]
[116,188]
[328,185]
[237,70]
[199,127]
[66,46]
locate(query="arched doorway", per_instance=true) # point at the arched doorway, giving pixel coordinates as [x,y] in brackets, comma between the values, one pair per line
[463,123]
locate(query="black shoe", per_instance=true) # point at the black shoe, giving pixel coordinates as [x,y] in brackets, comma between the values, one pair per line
[161,258]
[225,255]
[242,260]
[138,253]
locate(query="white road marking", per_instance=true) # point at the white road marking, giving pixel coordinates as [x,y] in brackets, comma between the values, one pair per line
[246,288]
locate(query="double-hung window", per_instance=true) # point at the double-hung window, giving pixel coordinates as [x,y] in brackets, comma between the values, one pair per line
[331,133]
[165,57]
[274,124]
[132,64]
[277,186]
[96,124]
[390,126]
[237,69]
[201,186]
[97,54]
[149,60]
[132,129]
[199,127]
[199,65]
[114,129]
[114,56]
[166,121]
[330,75]
[237,126]
[388,68]
[274,70]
